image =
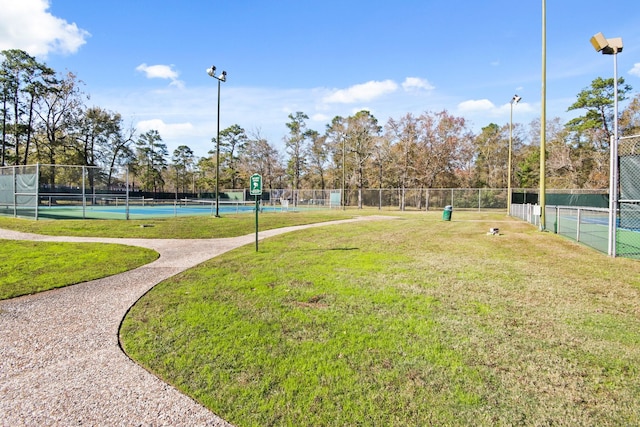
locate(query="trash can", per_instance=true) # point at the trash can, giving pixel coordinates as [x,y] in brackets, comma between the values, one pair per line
[446,215]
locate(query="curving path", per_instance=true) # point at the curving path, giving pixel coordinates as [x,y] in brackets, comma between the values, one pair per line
[60,361]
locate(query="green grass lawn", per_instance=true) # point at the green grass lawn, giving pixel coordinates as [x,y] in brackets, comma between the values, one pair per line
[412,321]
[29,267]
[194,227]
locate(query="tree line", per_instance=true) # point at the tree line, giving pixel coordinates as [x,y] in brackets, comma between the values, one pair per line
[46,119]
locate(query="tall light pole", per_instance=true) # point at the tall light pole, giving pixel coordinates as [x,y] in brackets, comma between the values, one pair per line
[344,196]
[221,78]
[514,101]
[542,199]
[612,47]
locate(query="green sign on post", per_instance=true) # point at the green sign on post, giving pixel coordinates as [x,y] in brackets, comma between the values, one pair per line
[255,184]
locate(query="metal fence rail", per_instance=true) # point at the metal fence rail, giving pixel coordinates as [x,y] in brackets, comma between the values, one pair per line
[628,235]
[526,212]
[587,225]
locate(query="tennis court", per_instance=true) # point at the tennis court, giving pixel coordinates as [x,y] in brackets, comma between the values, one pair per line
[88,192]
[140,208]
[591,227]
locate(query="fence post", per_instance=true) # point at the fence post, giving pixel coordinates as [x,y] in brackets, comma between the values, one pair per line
[579,219]
[126,209]
[84,196]
[37,189]
[15,196]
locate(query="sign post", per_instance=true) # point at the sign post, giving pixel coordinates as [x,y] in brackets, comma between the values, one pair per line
[255,183]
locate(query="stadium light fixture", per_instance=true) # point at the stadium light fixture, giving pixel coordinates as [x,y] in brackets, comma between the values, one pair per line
[606,46]
[222,77]
[612,47]
[514,101]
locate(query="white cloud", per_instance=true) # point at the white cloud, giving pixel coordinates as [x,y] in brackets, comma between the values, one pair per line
[319,117]
[486,111]
[166,130]
[635,71]
[476,106]
[416,83]
[27,25]
[361,92]
[161,72]
[157,71]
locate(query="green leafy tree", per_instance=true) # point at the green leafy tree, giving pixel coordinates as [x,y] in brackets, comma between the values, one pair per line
[151,160]
[205,176]
[595,127]
[317,155]
[295,144]
[491,156]
[232,141]
[183,162]
[97,130]
[335,135]
[23,82]
[527,173]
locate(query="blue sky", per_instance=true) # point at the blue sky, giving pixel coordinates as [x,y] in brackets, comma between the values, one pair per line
[147,59]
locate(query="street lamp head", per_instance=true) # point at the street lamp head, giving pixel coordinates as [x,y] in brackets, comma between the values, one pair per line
[212,72]
[515,99]
[606,46]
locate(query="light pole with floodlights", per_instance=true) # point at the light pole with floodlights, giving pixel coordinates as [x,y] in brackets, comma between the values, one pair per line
[514,101]
[612,47]
[221,78]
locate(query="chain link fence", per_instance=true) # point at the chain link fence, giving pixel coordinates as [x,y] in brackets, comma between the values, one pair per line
[64,191]
[34,190]
[583,217]
[393,198]
[19,191]
[430,199]
[628,230]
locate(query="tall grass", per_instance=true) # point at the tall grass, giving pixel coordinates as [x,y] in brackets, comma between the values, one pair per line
[412,321]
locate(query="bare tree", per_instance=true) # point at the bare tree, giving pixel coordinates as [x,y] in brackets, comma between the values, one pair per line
[58,112]
[361,137]
[259,156]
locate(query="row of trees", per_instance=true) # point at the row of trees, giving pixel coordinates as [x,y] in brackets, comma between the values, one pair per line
[45,118]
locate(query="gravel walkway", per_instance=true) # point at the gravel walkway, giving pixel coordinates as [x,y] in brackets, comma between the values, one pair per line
[60,361]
